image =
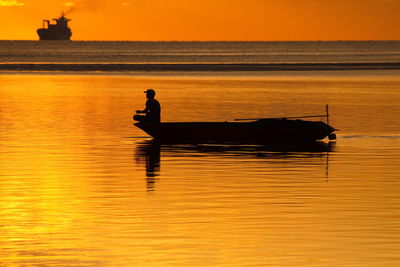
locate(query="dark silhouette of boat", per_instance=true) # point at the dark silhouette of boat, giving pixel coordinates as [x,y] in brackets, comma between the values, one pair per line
[266,131]
[57,31]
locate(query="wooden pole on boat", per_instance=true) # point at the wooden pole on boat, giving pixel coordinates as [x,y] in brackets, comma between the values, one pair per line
[282,118]
[327,114]
[299,117]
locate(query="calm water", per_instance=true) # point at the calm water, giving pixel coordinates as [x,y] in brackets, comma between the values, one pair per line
[80,186]
[199,52]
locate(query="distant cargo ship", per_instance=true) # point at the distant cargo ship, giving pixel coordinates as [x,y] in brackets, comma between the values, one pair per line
[57,31]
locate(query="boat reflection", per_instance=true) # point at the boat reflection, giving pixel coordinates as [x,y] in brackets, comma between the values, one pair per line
[149,153]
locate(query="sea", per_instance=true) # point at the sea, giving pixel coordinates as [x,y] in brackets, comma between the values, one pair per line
[81,186]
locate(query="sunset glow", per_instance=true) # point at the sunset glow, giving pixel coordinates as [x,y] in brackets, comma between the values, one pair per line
[206,20]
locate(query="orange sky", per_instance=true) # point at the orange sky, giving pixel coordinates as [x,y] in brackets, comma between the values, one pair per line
[207,19]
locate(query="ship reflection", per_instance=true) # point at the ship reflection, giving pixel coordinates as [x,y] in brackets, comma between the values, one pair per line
[149,153]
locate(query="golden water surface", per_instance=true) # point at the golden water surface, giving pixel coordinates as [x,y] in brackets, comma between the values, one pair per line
[80,186]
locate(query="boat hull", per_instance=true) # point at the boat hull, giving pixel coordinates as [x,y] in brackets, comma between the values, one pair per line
[47,34]
[265,131]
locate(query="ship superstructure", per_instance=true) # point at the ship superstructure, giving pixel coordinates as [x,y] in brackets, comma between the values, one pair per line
[57,31]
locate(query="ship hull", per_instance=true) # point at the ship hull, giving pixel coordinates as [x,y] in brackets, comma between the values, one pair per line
[46,34]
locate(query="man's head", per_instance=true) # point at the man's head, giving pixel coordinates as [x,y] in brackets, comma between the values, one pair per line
[150,93]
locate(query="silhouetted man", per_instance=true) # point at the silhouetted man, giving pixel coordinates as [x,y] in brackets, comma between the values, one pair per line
[152,110]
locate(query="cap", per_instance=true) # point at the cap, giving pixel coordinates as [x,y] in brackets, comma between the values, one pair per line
[150,91]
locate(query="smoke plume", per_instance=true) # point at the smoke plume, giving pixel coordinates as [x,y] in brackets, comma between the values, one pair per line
[82,6]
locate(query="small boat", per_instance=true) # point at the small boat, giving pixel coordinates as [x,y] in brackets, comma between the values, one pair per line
[265,131]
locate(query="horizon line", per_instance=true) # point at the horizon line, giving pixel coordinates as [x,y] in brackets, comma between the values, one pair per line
[332,40]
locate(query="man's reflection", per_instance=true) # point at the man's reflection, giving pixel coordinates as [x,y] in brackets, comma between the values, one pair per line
[149,153]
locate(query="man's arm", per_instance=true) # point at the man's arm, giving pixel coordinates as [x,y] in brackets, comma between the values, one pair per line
[144,110]
[141,111]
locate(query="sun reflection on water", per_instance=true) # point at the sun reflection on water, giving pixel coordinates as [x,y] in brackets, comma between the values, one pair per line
[79,185]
